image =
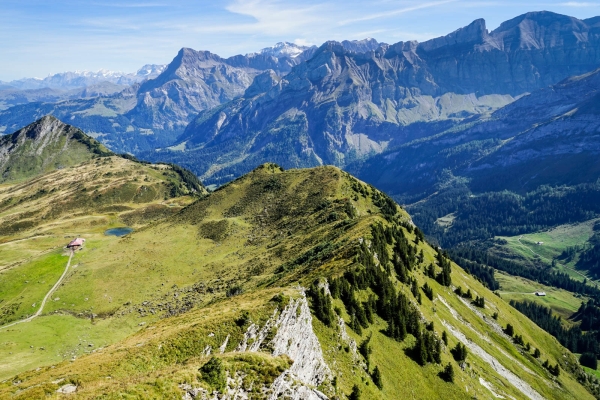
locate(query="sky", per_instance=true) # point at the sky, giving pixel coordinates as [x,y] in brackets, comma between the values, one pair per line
[41,37]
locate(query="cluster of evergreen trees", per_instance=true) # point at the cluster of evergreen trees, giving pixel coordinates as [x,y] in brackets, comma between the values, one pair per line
[481,272]
[589,259]
[376,273]
[459,352]
[505,213]
[545,276]
[573,338]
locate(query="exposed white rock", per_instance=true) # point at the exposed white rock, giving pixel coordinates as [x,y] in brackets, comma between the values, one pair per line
[250,334]
[474,348]
[69,388]
[296,339]
[224,345]
[262,334]
[347,339]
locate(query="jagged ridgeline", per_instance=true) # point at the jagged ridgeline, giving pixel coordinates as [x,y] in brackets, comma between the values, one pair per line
[304,284]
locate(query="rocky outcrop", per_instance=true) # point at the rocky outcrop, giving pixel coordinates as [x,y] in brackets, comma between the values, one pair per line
[294,338]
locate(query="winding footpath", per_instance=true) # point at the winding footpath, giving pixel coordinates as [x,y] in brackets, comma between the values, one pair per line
[39,311]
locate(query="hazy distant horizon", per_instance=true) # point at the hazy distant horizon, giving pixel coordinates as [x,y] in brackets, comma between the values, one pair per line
[43,38]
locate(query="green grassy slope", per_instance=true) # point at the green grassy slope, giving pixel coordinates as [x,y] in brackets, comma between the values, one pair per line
[198,276]
[43,146]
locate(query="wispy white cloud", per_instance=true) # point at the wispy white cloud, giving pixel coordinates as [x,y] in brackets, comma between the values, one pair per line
[132,5]
[579,4]
[276,17]
[398,11]
[302,42]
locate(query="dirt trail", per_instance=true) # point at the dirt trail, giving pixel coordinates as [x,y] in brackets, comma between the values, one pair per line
[39,311]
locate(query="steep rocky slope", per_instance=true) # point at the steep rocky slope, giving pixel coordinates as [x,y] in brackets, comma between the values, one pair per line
[153,113]
[300,283]
[550,137]
[341,106]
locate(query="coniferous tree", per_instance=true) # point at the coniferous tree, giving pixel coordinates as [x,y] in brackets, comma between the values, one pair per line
[365,350]
[448,373]
[479,302]
[355,395]
[420,350]
[376,376]
[428,291]
[459,352]
[430,271]
[589,360]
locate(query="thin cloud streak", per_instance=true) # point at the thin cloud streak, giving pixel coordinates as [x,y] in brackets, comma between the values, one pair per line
[395,12]
[579,4]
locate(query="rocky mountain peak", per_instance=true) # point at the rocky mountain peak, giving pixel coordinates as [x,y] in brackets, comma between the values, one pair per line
[262,83]
[474,33]
[43,127]
[361,46]
[45,145]
[538,30]
[150,70]
[282,49]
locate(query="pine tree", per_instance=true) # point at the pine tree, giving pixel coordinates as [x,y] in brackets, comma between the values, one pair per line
[420,350]
[376,376]
[459,352]
[355,395]
[448,373]
[365,350]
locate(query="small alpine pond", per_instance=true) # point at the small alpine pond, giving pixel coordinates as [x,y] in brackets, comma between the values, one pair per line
[122,231]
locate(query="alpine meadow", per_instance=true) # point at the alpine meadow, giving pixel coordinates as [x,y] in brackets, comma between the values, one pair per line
[347,220]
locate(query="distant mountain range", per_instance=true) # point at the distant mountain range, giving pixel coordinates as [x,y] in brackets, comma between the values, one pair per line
[81,79]
[343,106]
[154,113]
[341,103]
[72,85]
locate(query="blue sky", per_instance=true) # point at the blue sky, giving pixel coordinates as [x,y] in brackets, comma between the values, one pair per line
[41,37]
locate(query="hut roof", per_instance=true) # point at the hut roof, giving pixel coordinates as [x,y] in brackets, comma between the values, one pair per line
[76,242]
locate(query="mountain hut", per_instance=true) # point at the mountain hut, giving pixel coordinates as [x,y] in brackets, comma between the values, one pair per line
[75,243]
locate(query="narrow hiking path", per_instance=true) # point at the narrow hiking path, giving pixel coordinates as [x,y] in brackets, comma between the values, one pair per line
[550,261]
[39,311]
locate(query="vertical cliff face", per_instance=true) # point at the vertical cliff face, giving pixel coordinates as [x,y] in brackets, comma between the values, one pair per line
[523,54]
[292,336]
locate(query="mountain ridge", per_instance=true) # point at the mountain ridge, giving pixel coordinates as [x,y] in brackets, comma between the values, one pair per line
[231,305]
[45,145]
